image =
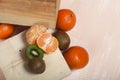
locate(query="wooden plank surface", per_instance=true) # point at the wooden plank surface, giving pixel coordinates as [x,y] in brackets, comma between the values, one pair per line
[12,63]
[28,12]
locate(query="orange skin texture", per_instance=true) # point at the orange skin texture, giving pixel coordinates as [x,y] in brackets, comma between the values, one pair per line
[6,30]
[76,57]
[66,19]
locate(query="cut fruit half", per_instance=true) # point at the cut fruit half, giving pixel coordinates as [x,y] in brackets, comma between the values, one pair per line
[33,51]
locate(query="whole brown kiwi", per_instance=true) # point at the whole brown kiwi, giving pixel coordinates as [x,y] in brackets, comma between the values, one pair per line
[37,65]
[63,39]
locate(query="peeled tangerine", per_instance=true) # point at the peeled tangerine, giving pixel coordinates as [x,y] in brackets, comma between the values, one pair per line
[47,42]
[34,31]
[39,34]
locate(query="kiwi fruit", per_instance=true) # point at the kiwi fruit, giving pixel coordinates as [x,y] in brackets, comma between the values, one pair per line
[33,51]
[36,65]
[63,39]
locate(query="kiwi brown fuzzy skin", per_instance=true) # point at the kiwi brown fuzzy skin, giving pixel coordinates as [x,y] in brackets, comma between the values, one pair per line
[63,39]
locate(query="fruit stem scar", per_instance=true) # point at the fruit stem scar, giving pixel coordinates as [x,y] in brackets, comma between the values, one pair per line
[71,15]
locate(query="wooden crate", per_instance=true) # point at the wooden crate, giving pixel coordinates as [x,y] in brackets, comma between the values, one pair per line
[28,12]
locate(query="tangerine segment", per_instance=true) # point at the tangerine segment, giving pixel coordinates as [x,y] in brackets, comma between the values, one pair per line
[34,32]
[44,39]
[52,46]
[47,42]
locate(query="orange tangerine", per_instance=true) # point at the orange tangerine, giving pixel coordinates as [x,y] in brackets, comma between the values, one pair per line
[40,35]
[43,40]
[34,31]
[52,46]
[47,42]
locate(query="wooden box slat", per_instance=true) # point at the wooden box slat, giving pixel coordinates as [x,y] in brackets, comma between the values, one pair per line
[28,12]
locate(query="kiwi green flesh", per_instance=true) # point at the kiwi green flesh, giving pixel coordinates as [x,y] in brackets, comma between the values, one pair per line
[32,51]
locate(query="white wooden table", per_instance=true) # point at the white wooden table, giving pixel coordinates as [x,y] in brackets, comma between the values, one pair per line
[98,30]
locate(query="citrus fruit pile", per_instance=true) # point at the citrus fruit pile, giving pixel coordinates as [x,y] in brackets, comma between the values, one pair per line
[41,41]
[76,56]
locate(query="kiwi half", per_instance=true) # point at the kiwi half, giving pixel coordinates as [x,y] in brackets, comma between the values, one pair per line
[33,51]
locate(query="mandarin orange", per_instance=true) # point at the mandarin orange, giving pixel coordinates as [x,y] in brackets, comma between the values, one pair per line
[47,42]
[76,57]
[34,31]
[66,19]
